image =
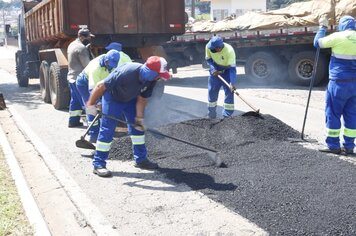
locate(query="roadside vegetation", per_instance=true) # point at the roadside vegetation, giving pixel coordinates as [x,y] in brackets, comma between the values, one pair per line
[13,220]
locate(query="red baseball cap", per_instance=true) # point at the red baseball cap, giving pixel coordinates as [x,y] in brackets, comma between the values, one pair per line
[158,64]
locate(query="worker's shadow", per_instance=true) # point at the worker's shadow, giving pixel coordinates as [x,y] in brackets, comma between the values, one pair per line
[174,178]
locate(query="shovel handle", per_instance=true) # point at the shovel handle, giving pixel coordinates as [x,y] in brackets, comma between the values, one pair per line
[237,93]
[165,135]
[92,123]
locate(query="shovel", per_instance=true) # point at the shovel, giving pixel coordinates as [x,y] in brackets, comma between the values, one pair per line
[255,112]
[213,154]
[82,143]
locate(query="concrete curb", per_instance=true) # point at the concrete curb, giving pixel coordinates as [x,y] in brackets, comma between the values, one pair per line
[98,223]
[28,202]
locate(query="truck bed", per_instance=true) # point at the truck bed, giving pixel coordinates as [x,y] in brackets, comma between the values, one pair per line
[53,20]
[248,38]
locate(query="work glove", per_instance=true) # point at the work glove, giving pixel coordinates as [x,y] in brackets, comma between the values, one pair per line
[323,22]
[91,110]
[99,107]
[232,88]
[139,124]
[215,72]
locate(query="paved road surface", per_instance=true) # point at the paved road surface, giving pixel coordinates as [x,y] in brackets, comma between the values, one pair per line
[143,202]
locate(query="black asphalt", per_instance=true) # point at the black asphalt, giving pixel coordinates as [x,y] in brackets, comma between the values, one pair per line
[283,187]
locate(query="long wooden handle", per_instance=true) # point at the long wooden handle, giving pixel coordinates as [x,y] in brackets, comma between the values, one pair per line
[235,92]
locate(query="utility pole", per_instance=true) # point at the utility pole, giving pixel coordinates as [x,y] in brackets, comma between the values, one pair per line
[4,22]
[193,9]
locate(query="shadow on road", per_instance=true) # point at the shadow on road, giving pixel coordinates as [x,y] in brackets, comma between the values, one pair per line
[195,181]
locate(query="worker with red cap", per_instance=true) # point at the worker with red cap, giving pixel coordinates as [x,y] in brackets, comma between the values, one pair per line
[125,91]
[221,58]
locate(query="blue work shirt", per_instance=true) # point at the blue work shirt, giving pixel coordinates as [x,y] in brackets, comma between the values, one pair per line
[126,83]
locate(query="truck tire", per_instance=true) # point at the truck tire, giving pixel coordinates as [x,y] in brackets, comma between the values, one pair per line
[44,82]
[263,68]
[58,86]
[300,68]
[22,78]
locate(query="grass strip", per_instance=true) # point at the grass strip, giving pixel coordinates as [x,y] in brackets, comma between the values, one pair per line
[13,220]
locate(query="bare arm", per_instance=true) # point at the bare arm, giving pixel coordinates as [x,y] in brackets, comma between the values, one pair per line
[140,106]
[97,92]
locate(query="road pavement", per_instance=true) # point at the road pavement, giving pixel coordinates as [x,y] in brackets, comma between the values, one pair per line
[144,202]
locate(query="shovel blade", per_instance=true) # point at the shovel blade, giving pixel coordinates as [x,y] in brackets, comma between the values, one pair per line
[253,113]
[82,143]
[216,159]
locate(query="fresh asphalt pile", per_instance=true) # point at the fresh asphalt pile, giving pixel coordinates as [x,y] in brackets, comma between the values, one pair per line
[283,187]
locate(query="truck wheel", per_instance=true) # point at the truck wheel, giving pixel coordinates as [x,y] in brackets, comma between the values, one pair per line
[44,82]
[300,68]
[263,68]
[58,86]
[22,78]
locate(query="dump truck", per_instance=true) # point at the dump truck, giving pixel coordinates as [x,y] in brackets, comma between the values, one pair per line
[274,45]
[47,27]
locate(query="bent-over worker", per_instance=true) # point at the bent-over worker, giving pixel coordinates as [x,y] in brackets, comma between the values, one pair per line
[125,91]
[97,69]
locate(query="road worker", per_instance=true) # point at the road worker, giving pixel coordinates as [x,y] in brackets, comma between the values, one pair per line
[341,90]
[124,58]
[125,91]
[78,59]
[97,69]
[221,59]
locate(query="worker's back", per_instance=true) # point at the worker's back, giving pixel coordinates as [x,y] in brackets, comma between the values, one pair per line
[78,59]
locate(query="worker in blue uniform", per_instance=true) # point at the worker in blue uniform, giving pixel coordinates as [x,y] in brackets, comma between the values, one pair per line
[222,61]
[126,91]
[124,58]
[97,69]
[78,59]
[341,90]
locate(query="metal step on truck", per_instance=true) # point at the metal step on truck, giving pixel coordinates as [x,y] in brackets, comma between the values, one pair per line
[47,27]
[268,56]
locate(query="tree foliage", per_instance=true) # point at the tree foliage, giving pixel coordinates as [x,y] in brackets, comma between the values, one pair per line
[276,4]
[10,4]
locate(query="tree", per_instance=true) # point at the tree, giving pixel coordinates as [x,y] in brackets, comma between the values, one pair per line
[11,4]
[276,4]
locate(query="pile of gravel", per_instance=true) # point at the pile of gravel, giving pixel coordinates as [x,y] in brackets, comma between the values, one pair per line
[281,186]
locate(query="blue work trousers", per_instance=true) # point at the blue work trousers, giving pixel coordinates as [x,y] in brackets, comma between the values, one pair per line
[76,105]
[214,85]
[341,101]
[83,89]
[114,108]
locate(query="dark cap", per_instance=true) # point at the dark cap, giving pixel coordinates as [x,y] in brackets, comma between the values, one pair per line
[85,33]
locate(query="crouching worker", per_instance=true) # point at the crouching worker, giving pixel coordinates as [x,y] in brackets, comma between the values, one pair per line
[125,91]
[97,69]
